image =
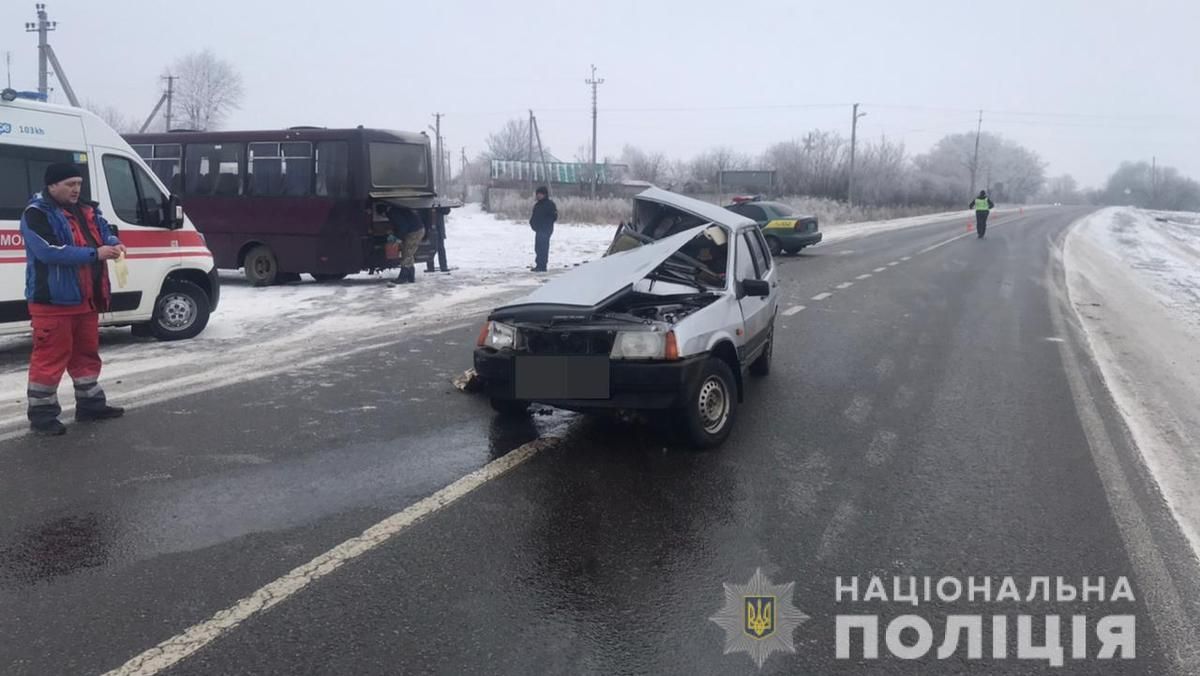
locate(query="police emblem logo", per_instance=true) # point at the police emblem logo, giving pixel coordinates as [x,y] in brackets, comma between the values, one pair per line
[759,618]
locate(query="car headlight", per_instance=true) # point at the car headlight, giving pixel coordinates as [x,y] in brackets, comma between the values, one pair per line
[498,336]
[644,345]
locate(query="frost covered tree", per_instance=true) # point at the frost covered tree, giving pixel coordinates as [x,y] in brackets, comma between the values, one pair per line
[207,90]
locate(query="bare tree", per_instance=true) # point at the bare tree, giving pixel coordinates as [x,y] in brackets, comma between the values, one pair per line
[650,167]
[511,142]
[113,117]
[707,167]
[207,90]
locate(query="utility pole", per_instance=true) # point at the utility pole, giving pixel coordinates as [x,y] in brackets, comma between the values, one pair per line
[594,82]
[853,143]
[529,153]
[975,158]
[437,132]
[462,175]
[170,96]
[1153,181]
[42,27]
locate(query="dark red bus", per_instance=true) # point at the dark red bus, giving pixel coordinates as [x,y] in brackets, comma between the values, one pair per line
[302,200]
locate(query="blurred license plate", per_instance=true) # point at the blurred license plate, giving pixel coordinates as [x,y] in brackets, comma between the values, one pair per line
[561,378]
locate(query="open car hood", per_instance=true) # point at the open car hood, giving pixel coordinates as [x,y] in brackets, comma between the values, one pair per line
[591,284]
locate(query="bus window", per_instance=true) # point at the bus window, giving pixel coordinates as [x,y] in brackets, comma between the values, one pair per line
[333,165]
[213,169]
[280,169]
[398,165]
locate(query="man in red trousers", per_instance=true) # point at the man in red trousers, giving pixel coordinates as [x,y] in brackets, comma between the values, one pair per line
[67,244]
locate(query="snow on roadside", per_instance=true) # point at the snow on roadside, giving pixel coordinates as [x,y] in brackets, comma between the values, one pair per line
[479,241]
[1134,283]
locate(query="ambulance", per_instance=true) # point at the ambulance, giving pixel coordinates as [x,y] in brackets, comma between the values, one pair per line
[170,287]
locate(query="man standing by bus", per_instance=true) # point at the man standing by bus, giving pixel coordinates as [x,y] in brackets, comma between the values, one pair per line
[410,231]
[67,244]
[545,213]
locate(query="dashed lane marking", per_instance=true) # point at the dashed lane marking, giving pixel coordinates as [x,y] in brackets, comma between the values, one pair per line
[845,285]
[792,310]
[821,296]
[879,270]
[864,276]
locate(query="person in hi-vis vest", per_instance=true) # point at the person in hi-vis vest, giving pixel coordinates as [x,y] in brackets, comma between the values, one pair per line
[982,206]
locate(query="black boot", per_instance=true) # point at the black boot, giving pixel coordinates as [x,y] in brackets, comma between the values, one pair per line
[410,275]
[48,428]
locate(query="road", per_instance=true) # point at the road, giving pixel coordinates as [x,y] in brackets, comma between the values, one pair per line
[930,413]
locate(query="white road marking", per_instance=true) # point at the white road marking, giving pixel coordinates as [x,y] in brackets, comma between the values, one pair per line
[1052,339]
[864,276]
[821,296]
[941,244]
[893,264]
[879,269]
[906,258]
[170,652]
[792,310]
[845,285]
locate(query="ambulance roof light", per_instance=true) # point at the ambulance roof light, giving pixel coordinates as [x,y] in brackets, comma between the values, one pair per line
[13,95]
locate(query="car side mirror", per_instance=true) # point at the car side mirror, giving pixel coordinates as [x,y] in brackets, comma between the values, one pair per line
[174,213]
[756,287]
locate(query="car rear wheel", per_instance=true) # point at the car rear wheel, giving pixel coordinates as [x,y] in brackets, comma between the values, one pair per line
[181,311]
[510,407]
[710,406]
[260,266]
[774,245]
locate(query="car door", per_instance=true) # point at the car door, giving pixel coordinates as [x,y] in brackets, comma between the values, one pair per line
[753,262]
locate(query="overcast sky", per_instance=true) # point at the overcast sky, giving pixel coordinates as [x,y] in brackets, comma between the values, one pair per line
[1085,83]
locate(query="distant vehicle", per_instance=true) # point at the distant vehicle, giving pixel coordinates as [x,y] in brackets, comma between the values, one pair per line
[303,200]
[670,320]
[786,230]
[172,285]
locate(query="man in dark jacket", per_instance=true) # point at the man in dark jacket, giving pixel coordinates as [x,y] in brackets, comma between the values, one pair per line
[545,213]
[982,206]
[67,244]
[409,230]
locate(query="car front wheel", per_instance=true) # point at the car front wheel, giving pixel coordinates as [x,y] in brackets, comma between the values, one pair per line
[710,406]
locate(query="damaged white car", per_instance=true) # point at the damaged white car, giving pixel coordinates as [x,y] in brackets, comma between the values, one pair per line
[681,307]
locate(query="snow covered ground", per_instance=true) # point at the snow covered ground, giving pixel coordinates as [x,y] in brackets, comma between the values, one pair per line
[1134,282]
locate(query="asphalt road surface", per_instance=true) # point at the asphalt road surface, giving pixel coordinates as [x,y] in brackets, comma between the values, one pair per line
[930,413]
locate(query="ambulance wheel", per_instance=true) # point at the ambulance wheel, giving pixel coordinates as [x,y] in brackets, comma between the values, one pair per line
[260,266]
[180,312]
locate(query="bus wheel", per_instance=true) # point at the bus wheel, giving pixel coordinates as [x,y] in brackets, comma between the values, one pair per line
[260,266]
[328,277]
[180,312]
